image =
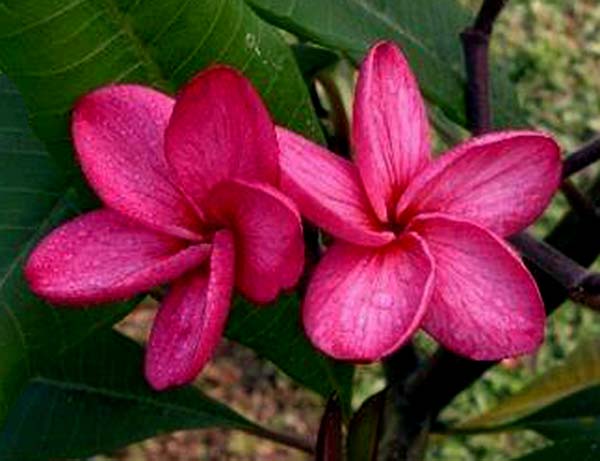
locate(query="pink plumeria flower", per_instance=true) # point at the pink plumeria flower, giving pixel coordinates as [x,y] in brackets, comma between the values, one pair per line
[189,188]
[418,243]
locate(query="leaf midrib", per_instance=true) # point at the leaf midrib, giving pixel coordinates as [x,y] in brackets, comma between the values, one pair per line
[37,230]
[381,16]
[119,17]
[102,392]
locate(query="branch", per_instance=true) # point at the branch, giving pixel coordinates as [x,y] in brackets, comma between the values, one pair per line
[476,40]
[582,158]
[291,441]
[579,202]
[581,285]
[488,14]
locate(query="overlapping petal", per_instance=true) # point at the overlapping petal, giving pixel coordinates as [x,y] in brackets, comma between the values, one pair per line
[485,304]
[191,320]
[390,130]
[220,130]
[118,133]
[363,303]
[328,191]
[103,256]
[502,181]
[268,236]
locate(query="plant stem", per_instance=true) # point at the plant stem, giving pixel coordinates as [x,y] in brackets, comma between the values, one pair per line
[582,158]
[283,439]
[476,40]
[579,202]
[581,285]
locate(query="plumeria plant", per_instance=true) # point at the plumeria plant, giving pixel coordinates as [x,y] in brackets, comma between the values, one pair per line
[192,157]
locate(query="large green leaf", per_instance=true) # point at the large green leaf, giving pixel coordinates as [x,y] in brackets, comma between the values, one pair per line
[57,50]
[563,403]
[573,416]
[428,30]
[580,449]
[34,197]
[275,332]
[96,400]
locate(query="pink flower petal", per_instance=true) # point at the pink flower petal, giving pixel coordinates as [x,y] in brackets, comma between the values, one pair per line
[485,304]
[268,237]
[103,256]
[220,130]
[328,191]
[118,133]
[502,181]
[190,322]
[390,129]
[364,303]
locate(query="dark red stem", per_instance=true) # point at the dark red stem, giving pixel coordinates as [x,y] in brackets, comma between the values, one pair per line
[476,40]
[582,158]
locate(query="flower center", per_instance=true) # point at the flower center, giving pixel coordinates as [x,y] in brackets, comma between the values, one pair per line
[396,227]
[398,223]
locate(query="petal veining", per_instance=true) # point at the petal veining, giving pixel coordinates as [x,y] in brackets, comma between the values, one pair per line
[390,130]
[102,256]
[485,303]
[363,303]
[190,322]
[118,133]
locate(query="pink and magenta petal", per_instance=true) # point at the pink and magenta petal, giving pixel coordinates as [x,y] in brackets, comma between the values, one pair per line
[485,304]
[220,130]
[118,133]
[502,181]
[363,303]
[390,130]
[103,256]
[190,322]
[328,191]
[268,237]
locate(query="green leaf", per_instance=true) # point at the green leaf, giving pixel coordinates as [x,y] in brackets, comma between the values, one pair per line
[366,429]
[428,31]
[573,416]
[275,333]
[581,449]
[564,402]
[57,50]
[97,401]
[35,197]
